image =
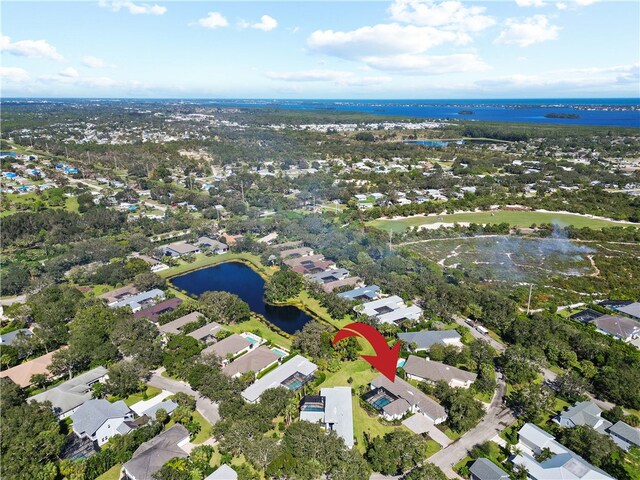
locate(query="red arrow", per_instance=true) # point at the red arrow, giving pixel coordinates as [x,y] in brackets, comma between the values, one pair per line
[385,360]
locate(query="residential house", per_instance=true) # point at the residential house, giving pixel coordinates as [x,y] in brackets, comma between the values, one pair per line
[214,245]
[99,420]
[152,455]
[333,409]
[178,249]
[422,369]
[425,339]
[304,260]
[624,435]
[633,310]
[156,265]
[206,334]
[485,469]
[119,294]
[292,374]
[232,346]
[329,275]
[150,412]
[154,312]
[176,325]
[141,300]
[583,413]
[343,282]
[11,337]
[21,374]
[309,268]
[562,464]
[224,472]
[368,293]
[269,238]
[68,396]
[390,310]
[622,328]
[396,399]
[296,253]
[255,361]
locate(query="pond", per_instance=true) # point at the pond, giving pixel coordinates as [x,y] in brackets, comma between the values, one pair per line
[241,280]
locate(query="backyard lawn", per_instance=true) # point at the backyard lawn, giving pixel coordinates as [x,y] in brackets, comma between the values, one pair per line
[112,474]
[513,218]
[259,328]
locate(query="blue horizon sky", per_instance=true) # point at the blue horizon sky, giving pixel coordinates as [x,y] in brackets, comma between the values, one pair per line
[396,49]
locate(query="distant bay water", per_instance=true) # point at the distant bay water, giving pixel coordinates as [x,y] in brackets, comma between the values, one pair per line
[619,112]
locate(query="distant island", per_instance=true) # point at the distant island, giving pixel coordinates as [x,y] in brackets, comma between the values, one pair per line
[465,112]
[562,115]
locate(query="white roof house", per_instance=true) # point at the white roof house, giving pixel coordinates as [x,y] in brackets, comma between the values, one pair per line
[563,464]
[225,472]
[426,339]
[381,306]
[292,375]
[137,302]
[334,409]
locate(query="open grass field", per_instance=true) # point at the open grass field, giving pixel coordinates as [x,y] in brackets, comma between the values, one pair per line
[562,271]
[513,218]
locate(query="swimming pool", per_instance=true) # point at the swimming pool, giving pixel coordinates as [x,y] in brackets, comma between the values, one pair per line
[282,353]
[401,362]
[381,402]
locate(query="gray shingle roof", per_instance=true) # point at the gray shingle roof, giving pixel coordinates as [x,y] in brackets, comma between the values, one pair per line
[583,413]
[233,344]
[632,310]
[175,325]
[93,413]
[627,432]
[225,472]
[253,361]
[485,469]
[435,371]
[72,393]
[9,338]
[402,389]
[152,455]
[425,339]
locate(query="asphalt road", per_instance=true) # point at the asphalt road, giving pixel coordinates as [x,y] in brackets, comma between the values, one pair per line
[207,408]
[498,418]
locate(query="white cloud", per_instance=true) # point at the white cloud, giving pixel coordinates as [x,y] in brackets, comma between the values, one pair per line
[568,79]
[335,76]
[394,47]
[69,72]
[379,40]
[266,24]
[133,8]
[561,6]
[30,48]
[93,62]
[14,75]
[428,64]
[449,15]
[531,30]
[213,20]
[530,3]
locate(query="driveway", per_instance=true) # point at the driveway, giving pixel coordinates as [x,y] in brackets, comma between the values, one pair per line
[419,424]
[498,418]
[144,405]
[207,408]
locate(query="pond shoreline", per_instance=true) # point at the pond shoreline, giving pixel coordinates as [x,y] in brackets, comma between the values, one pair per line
[260,270]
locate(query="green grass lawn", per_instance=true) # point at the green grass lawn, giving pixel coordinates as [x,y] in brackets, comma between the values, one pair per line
[136,397]
[515,219]
[112,474]
[203,261]
[259,328]
[205,428]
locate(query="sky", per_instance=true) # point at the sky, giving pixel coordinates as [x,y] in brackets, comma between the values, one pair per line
[394,49]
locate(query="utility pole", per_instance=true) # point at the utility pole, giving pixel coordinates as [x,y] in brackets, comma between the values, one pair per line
[529,302]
